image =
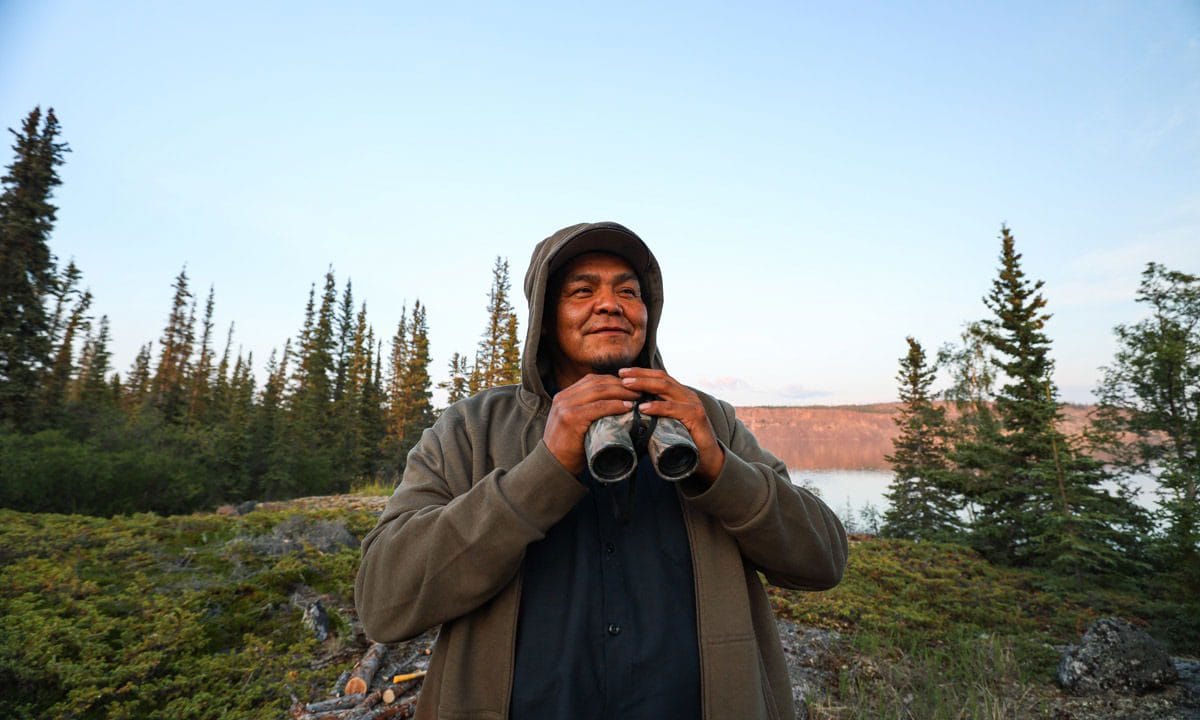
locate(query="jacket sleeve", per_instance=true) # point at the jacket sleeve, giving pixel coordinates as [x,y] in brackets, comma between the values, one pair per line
[446,544]
[785,531]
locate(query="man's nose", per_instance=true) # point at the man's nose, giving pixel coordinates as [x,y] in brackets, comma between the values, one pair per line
[608,302]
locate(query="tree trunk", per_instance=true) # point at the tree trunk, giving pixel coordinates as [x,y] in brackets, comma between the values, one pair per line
[364,672]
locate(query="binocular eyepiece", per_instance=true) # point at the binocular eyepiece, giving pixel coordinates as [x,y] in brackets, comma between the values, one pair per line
[614,443]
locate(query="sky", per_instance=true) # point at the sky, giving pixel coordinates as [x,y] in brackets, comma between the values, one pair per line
[818,181]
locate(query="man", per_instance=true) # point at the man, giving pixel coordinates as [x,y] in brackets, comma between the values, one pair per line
[559,597]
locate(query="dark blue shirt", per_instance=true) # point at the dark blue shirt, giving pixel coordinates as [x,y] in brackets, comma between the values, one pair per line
[607,625]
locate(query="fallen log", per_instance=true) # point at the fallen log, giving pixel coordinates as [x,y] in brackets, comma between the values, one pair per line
[397,690]
[345,702]
[393,712]
[364,709]
[364,671]
[344,714]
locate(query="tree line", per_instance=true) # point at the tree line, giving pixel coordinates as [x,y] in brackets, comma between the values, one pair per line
[188,425]
[985,461]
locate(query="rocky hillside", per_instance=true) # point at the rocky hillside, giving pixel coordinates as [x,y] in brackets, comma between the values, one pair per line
[248,613]
[847,437]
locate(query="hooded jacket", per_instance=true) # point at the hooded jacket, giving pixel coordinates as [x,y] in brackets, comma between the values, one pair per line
[480,486]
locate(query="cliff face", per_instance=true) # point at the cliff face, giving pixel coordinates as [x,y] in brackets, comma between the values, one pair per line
[851,437]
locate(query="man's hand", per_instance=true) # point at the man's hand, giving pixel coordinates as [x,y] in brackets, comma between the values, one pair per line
[575,408]
[676,401]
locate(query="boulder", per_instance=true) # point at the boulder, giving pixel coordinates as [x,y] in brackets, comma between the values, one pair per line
[812,656]
[296,535]
[1115,656]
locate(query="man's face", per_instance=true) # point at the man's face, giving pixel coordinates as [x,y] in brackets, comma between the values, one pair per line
[599,317]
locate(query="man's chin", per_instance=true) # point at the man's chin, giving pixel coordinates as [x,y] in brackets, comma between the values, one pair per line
[610,365]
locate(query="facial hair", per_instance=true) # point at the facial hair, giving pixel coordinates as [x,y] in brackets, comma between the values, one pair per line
[610,365]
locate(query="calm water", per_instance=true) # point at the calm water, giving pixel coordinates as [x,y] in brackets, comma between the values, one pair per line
[849,492]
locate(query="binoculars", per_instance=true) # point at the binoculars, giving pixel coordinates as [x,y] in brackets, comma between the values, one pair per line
[614,443]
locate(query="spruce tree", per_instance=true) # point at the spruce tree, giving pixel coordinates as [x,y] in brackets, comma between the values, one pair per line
[498,359]
[456,384]
[56,382]
[397,370]
[1041,503]
[923,505]
[137,385]
[415,389]
[346,328]
[27,267]
[200,381]
[93,399]
[167,386]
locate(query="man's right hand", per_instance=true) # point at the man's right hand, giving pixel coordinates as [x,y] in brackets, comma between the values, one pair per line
[574,410]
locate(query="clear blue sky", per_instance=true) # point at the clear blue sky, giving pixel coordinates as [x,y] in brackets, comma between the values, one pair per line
[818,182]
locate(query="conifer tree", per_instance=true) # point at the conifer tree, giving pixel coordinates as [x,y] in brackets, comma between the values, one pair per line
[498,360]
[374,421]
[220,387]
[512,352]
[397,370]
[58,380]
[348,407]
[456,384]
[346,328]
[1042,502]
[167,386]
[269,442]
[311,408]
[65,294]
[416,386]
[93,400]
[27,267]
[137,386]
[923,506]
[1149,414]
[200,381]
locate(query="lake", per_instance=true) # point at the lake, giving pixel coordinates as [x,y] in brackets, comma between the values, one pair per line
[849,492]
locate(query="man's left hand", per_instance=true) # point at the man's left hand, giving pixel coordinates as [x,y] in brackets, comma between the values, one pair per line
[676,401]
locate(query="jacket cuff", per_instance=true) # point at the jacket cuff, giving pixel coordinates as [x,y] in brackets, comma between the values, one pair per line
[737,496]
[540,490]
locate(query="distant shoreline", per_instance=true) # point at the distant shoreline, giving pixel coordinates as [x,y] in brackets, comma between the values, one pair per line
[843,437]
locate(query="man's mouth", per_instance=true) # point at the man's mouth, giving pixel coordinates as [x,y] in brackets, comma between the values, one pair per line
[608,330]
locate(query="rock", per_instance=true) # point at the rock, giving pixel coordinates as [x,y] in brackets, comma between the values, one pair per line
[297,534]
[1115,656]
[317,620]
[811,656]
[247,507]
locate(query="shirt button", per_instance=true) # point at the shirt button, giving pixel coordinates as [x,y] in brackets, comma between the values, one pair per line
[609,548]
[614,629]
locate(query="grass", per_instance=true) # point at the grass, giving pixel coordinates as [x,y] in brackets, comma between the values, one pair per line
[936,632]
[145,616]
[151,617]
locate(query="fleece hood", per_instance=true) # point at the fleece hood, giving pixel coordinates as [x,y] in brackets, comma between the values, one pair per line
[554,252]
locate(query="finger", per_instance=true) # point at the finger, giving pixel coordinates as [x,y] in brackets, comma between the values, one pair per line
[594,387]
[669,408]
[595,393]
[665,387]
[591,412]
[641,372]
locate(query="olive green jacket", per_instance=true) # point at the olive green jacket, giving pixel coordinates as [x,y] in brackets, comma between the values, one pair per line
[481,486]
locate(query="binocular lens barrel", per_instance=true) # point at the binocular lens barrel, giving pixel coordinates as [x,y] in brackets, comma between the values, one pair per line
[612,457]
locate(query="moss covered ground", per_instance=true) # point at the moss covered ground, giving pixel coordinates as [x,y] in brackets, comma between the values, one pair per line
[145,616]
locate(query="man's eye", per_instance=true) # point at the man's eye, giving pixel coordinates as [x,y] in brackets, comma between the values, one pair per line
[628,292]
[580,292]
